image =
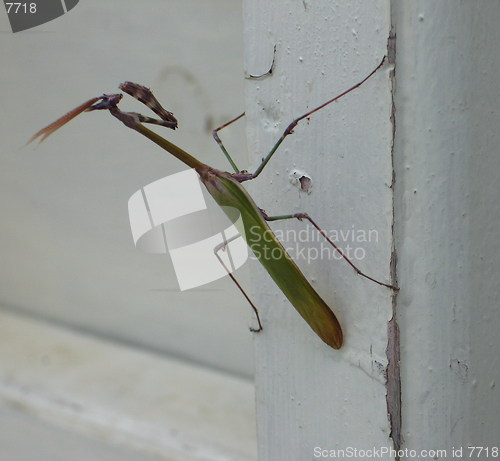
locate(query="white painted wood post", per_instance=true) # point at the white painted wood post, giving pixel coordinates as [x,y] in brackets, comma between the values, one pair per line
[447,214]
[310,397]
[444,153]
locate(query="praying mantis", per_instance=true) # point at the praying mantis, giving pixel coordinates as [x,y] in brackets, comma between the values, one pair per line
[227,191]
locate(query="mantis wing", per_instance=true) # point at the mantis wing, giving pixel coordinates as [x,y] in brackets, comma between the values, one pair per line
[229,193]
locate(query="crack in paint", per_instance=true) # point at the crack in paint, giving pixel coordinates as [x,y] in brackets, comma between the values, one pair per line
[393,376]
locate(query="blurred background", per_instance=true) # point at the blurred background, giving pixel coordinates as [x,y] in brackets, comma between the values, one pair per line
[67,250]
[69,263]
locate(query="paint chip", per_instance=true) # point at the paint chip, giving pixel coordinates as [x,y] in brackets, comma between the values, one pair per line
[301,180]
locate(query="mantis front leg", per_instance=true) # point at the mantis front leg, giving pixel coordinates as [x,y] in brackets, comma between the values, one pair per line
[110,102]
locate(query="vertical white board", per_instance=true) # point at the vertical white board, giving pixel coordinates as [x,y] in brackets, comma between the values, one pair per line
[311,398]
[447,175]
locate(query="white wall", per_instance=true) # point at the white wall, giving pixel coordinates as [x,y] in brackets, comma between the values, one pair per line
[67,253]
[66,248]
[447,214]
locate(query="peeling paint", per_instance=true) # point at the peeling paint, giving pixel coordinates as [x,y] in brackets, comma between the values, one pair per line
[301,180]
[393,382]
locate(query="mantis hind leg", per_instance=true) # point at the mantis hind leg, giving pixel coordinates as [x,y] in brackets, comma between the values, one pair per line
[302,216]
[222,247]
